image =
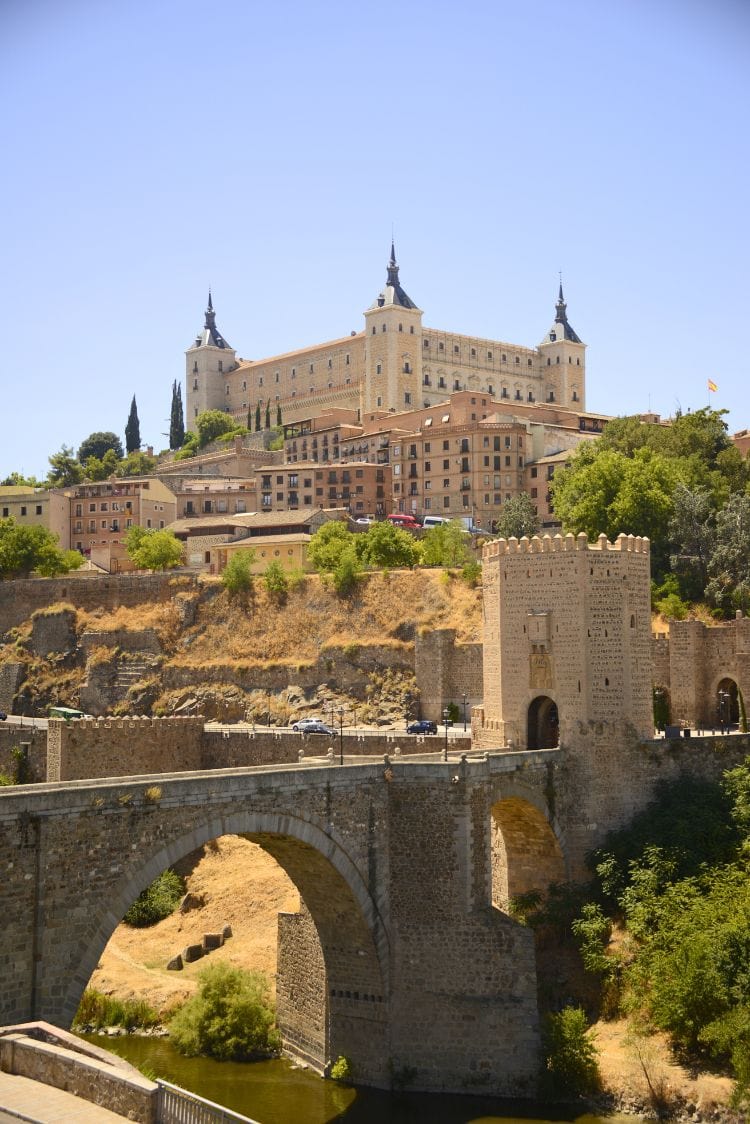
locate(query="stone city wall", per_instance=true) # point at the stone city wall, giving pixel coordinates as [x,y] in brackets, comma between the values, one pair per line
[445,671]
[20,599]
[124,747]
[12,737]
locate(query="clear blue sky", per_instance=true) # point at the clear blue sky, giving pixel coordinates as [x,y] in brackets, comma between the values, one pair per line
[152,147]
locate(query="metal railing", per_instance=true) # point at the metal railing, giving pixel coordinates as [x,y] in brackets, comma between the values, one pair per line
[178,1106]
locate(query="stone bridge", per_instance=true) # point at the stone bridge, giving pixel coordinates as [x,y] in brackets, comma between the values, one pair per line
[398,957]
[401,956]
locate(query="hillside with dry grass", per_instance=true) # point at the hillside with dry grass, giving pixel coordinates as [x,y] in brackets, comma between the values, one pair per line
[217,654]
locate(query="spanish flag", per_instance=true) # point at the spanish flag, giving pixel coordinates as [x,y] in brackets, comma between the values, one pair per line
[712,386]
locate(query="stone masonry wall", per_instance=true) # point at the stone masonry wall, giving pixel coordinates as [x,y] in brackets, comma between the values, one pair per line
[110,747]
[12,736]
[11,677]
[19,599]
[445,670]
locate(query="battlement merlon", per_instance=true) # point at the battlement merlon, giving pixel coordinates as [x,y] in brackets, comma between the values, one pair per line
[635,544]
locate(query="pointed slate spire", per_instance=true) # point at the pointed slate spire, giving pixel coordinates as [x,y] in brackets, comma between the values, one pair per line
[561,317]
[210,336]
[393,293]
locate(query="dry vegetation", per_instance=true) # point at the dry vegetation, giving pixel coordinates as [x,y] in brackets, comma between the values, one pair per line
[384,609]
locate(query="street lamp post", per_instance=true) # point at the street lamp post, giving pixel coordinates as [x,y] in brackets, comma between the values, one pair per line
[268,707]
[341,736]
[446,712]
[724,710]
[464,696]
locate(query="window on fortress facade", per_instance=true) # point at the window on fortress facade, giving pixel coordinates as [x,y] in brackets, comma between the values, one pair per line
[407,367]
[575,395]
[383,328]
[407,398]
[373,329]
[401,327]
[456,384]
[260,381]
[425,343]
[379,400]
[347,359]
[446,501]
[473,353]
[441,347]
[533,493]
[330,364]
[446,483]
[221,366]
[379,369]
[312,368]
[455,349]
[578,362]
[195,384]
[490,388]
[441,383]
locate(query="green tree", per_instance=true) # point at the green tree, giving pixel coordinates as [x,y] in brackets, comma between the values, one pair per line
[445,545]
[231,1017]
[729,565]
[65,470]
[212,424]
[97,444]
[132,430]
[257,417]
[345,574]
[278,414]
[150,549]
[237,575]
[691,533]
[276,582]
[519,517]
[176,418]
[386,546]
[136,464]
[32,549]
[268,414]
[17,480]
[95,469]
[328,544]
[571,1055]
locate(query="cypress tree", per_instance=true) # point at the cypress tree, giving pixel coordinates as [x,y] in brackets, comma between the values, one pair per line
[268,414]
[249,419]
[257,418]
[133,430]
[278,414]
[176,420]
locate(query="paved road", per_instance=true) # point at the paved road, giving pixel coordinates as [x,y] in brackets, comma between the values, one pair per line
[24,723]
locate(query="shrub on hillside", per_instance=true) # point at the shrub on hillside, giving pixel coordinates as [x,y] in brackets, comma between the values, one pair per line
[157,901]
[98,1010]
[571,1055]
[237,576]
[230,1018]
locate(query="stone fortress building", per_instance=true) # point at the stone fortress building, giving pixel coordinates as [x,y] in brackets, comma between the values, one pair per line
[395,363]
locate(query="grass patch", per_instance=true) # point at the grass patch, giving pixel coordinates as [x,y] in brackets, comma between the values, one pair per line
[98,1010]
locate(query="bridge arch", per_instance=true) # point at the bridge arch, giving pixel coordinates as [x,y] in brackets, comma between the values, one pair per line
[526,854]
[542,723]
[339,1003]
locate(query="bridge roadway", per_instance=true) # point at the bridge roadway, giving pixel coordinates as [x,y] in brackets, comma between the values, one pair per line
[397,958]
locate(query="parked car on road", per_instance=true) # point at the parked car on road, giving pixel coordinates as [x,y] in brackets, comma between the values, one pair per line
[312,726]
[422,726]
[3,715]
[404,520]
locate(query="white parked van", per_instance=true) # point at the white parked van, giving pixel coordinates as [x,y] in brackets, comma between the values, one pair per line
[433,521]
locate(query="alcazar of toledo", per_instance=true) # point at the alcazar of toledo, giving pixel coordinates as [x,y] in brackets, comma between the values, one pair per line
[394,364]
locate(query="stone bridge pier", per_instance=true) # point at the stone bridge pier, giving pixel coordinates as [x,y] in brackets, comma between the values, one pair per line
[398,958]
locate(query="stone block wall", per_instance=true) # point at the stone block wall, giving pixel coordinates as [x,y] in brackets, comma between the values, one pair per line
[12,736]
[445,670]
[20,599]
[53,632]
[125,747]
[694,660]
[126,639]
[11,677]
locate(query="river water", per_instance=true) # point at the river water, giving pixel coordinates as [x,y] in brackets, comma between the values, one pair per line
[277,1092]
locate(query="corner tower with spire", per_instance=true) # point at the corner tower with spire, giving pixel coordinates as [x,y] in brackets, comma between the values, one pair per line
[393,348]
[563,358]
[208,359]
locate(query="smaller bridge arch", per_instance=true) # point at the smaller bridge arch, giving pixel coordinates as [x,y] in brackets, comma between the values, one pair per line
[526,853]
[542,723]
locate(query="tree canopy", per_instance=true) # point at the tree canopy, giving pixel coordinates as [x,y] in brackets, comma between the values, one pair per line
[212,424]
[445,545]
[65,470]
[667,482]
[97,444]
[518,518]
[32,549]
[153,550]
